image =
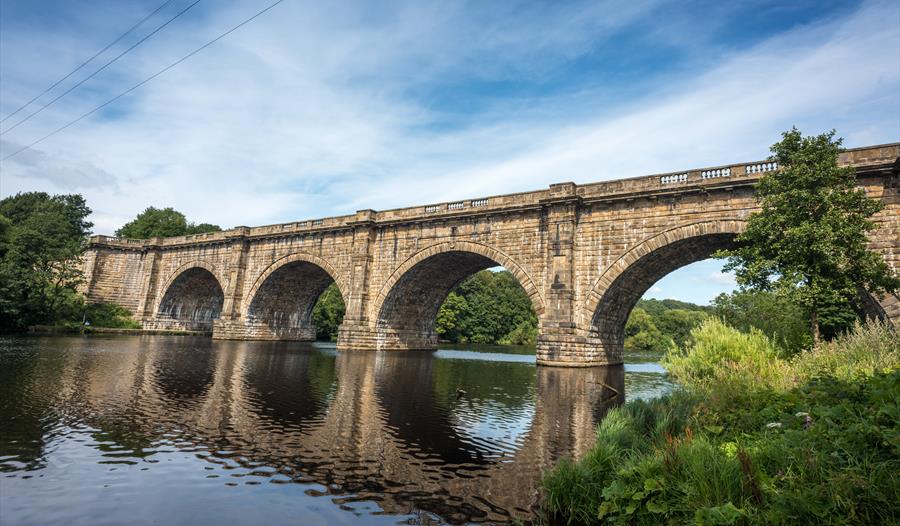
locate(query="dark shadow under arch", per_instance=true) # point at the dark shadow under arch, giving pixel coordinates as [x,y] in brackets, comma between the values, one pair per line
[406,319]
[281,307]
[193,300]
[608,321]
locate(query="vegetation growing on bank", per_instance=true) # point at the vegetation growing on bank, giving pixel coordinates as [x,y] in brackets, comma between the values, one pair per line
[42,237]
[752,437]
[41,240]
[328,313]
[654,326]
[771,424]
[487,307]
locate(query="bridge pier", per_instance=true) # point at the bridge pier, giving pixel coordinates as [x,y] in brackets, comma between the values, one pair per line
[243,329]
[570,350]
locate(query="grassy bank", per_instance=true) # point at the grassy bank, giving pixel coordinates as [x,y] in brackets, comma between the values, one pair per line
[751,437]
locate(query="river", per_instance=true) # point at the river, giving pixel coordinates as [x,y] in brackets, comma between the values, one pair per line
[185,430]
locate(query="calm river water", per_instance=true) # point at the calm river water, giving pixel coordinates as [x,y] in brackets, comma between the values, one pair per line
[183,430]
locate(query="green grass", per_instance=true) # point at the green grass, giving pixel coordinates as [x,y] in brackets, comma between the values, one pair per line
[750,438]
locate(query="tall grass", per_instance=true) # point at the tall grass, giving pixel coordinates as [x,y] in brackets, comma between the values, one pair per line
[751,438]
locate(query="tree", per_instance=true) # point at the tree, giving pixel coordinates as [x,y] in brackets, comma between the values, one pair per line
[642,335]
[779,318]
[487,307]
[449,318]
[328,313]
[41,240]
[677,324]
[166,222]
[808,243]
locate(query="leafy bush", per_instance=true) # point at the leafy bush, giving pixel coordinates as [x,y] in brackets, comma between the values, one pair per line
[723,356]
[525,333]
[752,438]
[488,307]
[867,349]
[75,311]
[109,315]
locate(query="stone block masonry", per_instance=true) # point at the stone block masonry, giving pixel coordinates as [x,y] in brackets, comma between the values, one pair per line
[584,254]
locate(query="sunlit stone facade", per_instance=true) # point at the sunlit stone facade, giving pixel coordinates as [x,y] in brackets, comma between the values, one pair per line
[583,253]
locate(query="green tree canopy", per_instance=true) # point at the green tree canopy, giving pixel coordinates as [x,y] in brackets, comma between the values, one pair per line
[328,313]
[643,336]
[488,307]
[653,326]
[41,240]
[165,222]
[808,243]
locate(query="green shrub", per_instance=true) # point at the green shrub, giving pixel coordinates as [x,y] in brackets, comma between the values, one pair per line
[77,312]
[869,348]
[751,438]
[109,315]
[721,354]
[525,333]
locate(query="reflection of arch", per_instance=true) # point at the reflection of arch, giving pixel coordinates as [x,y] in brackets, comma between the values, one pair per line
[281,301]
[407,304]
[292,258]
[185,377]
[192,297]
[290,388]
[405,386]
[624,282]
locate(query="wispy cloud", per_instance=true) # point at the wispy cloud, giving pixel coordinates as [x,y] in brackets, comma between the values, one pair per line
[324,109]
[723,278]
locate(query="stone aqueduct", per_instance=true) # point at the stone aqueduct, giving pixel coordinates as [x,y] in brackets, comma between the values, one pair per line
[583,253]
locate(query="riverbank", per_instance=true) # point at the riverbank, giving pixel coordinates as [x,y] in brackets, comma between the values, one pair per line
[750,437]
[88,329]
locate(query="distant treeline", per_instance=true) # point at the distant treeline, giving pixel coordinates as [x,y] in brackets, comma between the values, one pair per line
[656,325]
[488,307]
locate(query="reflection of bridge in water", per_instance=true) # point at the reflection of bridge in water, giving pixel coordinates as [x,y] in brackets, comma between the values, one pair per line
[386,427]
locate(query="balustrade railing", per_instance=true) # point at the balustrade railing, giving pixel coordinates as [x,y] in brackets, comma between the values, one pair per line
[673,178]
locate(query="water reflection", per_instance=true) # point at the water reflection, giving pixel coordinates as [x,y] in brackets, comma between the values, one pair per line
[430,436]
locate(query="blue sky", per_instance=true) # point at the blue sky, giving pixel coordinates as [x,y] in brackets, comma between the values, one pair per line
[318,109]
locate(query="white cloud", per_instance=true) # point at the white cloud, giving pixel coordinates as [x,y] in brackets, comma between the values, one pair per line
[307,111]
[723,278]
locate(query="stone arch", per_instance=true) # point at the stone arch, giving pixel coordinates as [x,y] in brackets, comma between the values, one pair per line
[886,307]
[280,302]
[622,284]
[191,298]
[406,306]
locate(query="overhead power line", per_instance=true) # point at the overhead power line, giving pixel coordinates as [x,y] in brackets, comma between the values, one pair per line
[85,63]
[104,66]
[146,80]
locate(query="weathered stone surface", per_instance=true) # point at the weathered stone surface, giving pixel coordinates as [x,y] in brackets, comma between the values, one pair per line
[583,253]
